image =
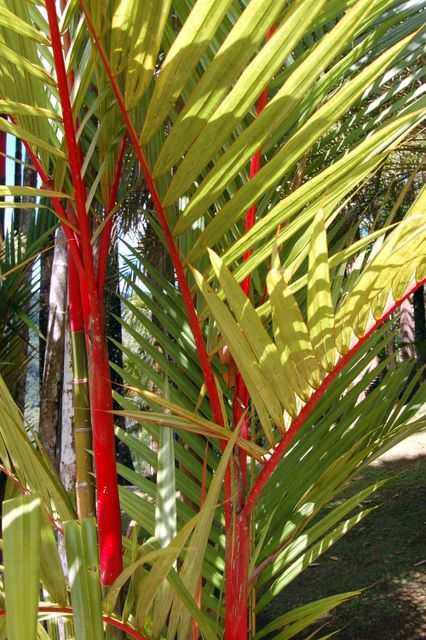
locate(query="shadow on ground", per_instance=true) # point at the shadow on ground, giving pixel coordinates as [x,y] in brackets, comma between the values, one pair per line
[385,554]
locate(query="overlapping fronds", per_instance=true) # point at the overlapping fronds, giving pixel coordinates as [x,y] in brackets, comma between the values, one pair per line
[182,80]
[18,285]
[306,347]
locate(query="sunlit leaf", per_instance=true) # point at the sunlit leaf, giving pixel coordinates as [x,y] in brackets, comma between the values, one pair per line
[21,519]
[320,307]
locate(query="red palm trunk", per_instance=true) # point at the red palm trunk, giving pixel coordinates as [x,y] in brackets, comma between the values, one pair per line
[238,532]
[236,578]
[108,507]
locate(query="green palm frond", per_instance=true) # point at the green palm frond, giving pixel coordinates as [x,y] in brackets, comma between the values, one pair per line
[181,80]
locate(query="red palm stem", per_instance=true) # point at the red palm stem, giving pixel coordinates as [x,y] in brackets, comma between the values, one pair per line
[241,397]
[254,169]
[238,529]
[171,245]
[108,507]
[74,156]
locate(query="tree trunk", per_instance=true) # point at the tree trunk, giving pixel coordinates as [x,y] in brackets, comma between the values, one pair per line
[50,405]
[390,346]
[46,264]
[420,327]
[17,213]
[407,330]
[67,469]
[83,441]
[22,220]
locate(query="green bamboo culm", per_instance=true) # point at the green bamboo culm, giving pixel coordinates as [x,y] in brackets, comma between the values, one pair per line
[85,488]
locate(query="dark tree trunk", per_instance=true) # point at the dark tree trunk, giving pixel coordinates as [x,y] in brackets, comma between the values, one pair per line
[50,405]
[22,221]
[420,327]
[46,263]
[407,330]
[18,214]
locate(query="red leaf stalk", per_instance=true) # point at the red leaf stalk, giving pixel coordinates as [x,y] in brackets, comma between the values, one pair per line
[241,397]
[77,293]
[237,563]
[65,217]
[286,440]
[254,169]
[74,157]
[75,305]
[171,246]
[108,507]
[238,532]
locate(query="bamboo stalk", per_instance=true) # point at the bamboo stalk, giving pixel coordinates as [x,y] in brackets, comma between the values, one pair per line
[85,489]
[78,305]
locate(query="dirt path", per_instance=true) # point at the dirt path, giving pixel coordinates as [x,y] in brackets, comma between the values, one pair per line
[409,449]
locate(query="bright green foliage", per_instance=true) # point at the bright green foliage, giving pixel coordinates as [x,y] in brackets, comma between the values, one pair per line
[21,539]
[20,457]
[346,90]
[83,568]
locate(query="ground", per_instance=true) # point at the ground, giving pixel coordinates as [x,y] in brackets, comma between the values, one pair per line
[385,555]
